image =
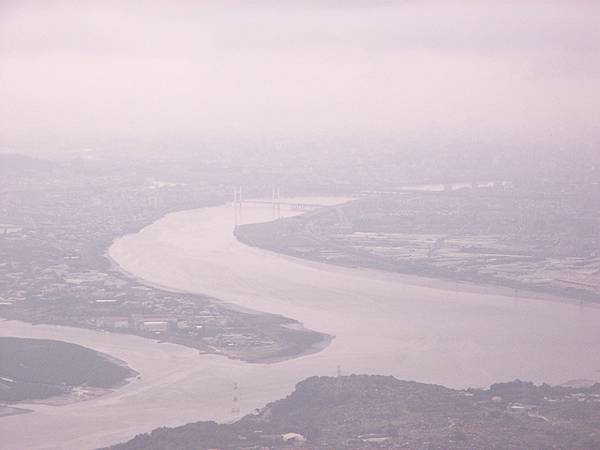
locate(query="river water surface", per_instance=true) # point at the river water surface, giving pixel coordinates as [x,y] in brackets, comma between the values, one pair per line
[384,323]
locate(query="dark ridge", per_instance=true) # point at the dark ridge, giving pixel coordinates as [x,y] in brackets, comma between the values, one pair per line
[365,412]
[35,369]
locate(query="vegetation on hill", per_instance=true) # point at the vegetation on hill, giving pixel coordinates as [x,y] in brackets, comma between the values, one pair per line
[363,412]
[34,369]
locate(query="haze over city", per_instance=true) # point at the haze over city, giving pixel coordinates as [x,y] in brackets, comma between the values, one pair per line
[449,76]
[299,224]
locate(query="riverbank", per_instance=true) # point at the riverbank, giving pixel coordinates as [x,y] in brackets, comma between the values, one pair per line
[288,338]
[445,282]
[394,235]
[6,411]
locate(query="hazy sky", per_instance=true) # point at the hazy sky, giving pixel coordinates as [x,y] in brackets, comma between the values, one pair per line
[519,72]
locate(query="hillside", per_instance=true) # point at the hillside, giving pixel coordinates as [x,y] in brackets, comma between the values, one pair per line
[35,369]
[360,412]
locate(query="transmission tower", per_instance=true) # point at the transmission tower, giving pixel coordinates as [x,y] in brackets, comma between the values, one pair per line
[338,382]
[235,409]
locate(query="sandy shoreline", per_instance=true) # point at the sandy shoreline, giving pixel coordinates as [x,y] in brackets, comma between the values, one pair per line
[313,348]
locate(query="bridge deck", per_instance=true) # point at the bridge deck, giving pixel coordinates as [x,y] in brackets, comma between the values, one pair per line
[268,202]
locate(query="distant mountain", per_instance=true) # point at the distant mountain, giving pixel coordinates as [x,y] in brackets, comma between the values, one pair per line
[366,412]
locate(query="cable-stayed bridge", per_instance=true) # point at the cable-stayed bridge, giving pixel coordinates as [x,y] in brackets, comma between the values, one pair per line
[275,202]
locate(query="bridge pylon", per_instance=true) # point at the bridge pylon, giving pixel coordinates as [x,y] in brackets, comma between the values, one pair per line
[236,406]
[276,201]
[237,206]
[276,195]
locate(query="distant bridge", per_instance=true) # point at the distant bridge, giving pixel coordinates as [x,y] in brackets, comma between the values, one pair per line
[295,206]
[275,202]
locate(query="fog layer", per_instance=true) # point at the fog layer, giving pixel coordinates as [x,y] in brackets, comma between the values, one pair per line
[512,73]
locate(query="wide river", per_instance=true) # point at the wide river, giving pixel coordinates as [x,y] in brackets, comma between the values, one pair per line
[384,324]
